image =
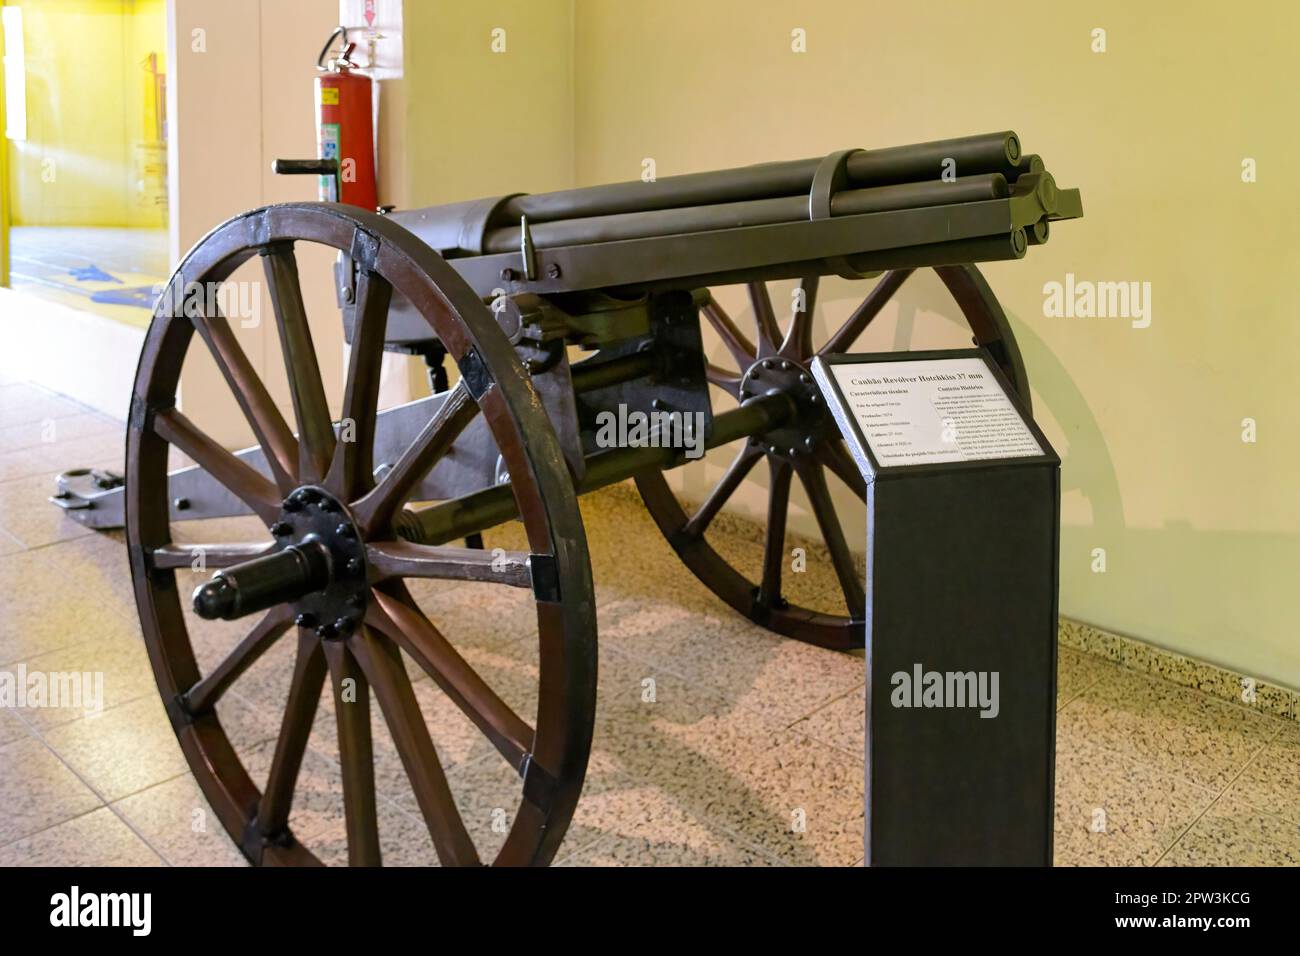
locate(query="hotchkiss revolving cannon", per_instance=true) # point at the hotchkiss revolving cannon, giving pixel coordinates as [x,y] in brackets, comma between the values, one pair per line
[499,288]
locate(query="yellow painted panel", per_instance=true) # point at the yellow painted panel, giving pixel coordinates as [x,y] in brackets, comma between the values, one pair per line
[95,151]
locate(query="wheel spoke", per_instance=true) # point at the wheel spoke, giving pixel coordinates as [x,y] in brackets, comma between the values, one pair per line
[740,466]
[310,408]
[295,729]
[251,487]
[798,339]
[726,380]
[273,434]
[814,482]
[396,617]
[356,754]
[376,510]
[853,327]
[201,557]
[769,333]
[741,349]
[205,694]
[835,457]
[402,559]
[351,471]
[382,664]
[778,507]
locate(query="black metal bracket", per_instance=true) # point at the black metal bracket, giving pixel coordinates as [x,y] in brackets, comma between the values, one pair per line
[475,373]
[254,842]
[539,785]
[546,577]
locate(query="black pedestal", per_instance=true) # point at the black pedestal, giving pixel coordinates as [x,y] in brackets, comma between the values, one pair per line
[962,572]
[961,578]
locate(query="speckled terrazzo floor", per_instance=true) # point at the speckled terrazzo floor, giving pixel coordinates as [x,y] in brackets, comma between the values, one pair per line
[744,728]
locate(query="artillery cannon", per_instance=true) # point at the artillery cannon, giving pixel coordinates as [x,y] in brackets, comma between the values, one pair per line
[502,287]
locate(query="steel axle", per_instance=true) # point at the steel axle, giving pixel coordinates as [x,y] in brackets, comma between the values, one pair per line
[492,506]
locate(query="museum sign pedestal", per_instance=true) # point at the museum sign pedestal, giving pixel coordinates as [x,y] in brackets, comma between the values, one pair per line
[963,508]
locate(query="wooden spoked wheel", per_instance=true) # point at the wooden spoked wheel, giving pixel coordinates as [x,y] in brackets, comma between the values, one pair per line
[319,483]
[808,448]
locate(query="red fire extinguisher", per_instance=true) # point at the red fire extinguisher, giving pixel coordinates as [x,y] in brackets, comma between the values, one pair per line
[344,127]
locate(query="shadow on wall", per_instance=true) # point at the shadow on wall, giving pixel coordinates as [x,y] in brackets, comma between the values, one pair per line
[1104,561]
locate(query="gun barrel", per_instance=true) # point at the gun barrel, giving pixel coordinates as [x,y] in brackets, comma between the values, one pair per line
[756,212]
[988,153]
[971,155]
[850,213]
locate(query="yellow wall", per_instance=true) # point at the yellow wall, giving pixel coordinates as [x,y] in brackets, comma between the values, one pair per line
[87,159]
[1201,530]
[480,122]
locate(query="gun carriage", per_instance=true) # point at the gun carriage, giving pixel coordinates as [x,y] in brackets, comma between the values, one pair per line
[500,288]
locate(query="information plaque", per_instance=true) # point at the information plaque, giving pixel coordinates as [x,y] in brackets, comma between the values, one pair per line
[962,540]
[918,411]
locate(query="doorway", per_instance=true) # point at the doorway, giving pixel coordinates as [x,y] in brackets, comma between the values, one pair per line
[85,165]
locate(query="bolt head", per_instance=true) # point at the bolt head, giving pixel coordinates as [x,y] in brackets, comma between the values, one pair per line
[345,530]
[343,626]
[305,620]
[329,504]
[768,363]
[354,565]
[281,528]
[309,495]
[553,270]
[809,443]
[508,274]
[325,631]
[293,503]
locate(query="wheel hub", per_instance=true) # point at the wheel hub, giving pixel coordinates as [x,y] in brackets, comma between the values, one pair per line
[312,517]
[317,566]
[799,435]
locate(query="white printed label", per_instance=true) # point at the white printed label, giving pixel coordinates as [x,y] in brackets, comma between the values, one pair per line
[933,410]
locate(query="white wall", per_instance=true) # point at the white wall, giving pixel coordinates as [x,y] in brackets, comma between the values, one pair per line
[240,96]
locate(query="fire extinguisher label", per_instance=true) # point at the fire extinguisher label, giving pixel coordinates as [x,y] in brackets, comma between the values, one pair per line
[329,149]
[329,96]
